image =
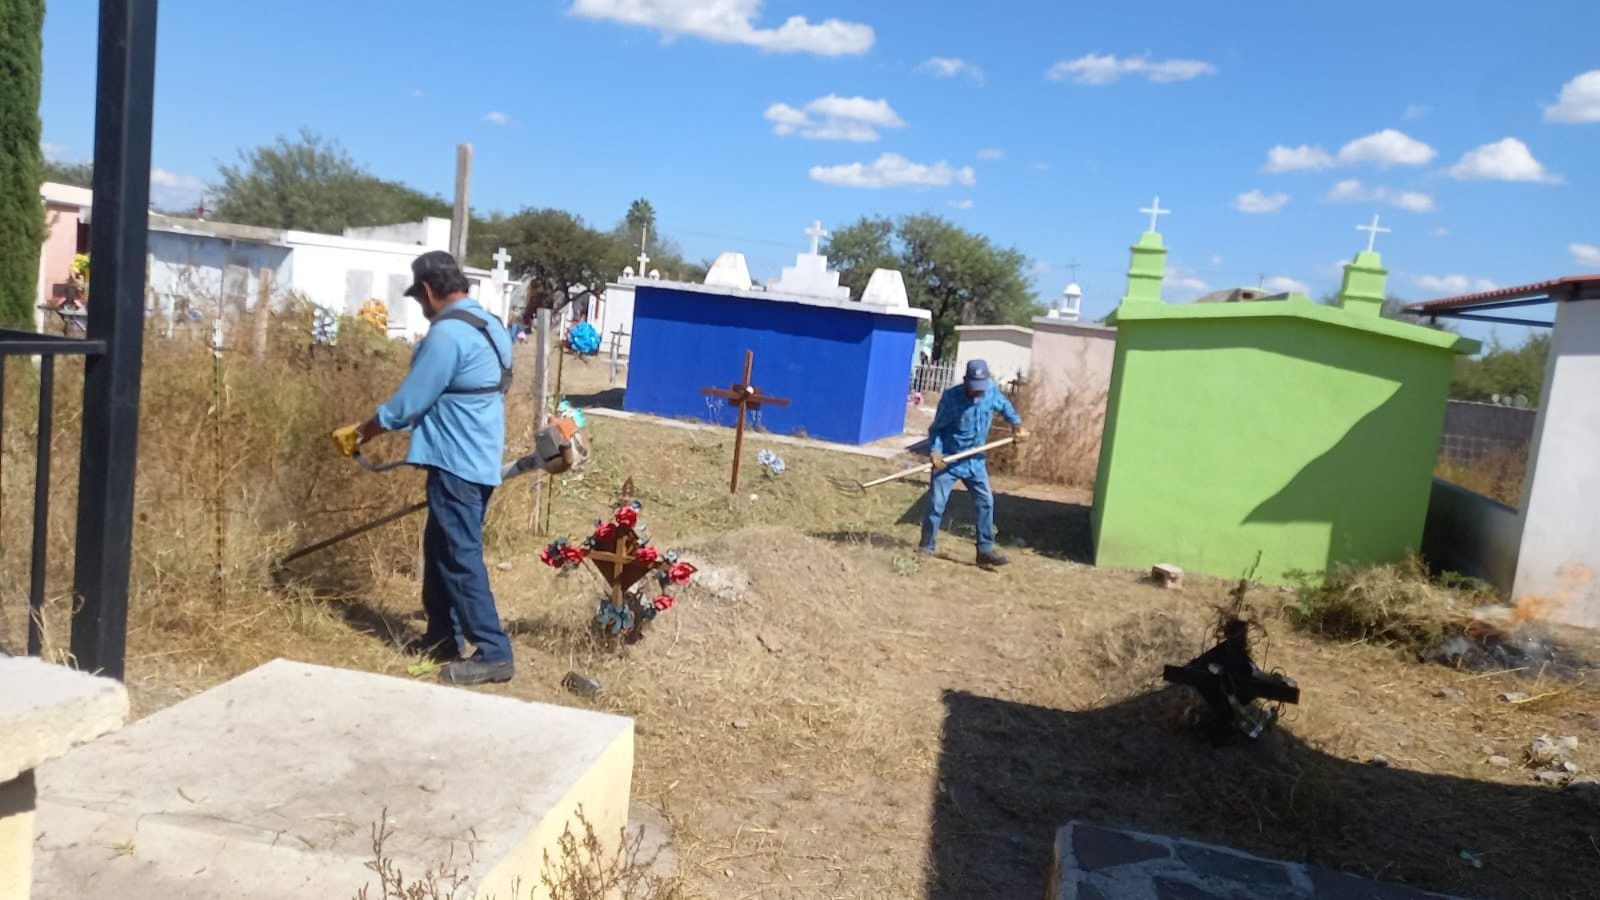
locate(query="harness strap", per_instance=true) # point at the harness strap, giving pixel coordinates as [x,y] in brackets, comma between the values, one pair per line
[461,315]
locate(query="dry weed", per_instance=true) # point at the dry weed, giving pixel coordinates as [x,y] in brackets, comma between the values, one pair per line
[1498,474]
[1064,445]
[1396,604]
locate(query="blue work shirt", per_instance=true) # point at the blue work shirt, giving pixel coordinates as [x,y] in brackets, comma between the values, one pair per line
[463,434]
[962,422]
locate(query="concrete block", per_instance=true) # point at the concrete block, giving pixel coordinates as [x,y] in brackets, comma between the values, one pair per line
[46,710]
[269,786]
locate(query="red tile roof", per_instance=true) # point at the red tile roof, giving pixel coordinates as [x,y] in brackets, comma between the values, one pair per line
[1567,288]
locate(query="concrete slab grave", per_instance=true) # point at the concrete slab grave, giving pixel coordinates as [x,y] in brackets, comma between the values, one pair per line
[270,785]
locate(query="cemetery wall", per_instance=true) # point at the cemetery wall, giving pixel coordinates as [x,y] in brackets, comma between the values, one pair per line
[1233,433]
[1472,430]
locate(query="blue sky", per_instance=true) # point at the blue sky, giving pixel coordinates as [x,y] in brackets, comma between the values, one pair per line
[1271,130]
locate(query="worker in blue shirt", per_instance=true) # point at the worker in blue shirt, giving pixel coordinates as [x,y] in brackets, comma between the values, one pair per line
[962,423]
[453,400]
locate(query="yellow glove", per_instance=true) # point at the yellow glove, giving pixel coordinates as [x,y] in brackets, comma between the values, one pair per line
[937,459]
[347,439]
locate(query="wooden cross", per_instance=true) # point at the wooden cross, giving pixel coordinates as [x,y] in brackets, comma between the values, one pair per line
[745,396]
[617,563]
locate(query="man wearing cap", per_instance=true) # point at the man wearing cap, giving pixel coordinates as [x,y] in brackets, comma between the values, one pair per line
[962,423]
[453,401]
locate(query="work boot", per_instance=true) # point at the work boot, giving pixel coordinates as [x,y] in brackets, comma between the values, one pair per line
[439,650]
[990,559]
[476,671]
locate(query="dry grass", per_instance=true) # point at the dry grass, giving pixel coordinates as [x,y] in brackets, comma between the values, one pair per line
[1398,604]
[1497,474]
[1065,444]
[824,715]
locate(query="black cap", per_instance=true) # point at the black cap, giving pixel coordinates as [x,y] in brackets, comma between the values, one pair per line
[439,270]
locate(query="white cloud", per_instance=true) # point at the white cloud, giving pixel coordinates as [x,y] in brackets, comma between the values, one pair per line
[1417,110]
[1585,254]
[1384,149]
[991,153]
[1255,202]
[418,93]
[1095,69]
[1579,101]
[1351,190]
[950,67]
[1216,259]
[1441,231]
[1041,167]
[732,22]
[174,190]
[1283,284]
[1454,284]
[1184,281]
[55,152]
[961,204]
[1304,158]
[1387,148]
[893,170]
[1507,159]
[834,118]
[497,118]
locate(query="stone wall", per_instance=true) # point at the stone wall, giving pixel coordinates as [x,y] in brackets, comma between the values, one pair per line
[1472,430]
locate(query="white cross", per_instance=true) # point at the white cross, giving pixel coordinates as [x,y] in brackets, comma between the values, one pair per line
[644,260]
[817,234]
[1372,231]
[501,257]
[1155,210]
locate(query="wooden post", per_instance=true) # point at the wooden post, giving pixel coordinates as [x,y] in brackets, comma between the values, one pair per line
[555,400]
[738,429]
[461,215]
[541,405]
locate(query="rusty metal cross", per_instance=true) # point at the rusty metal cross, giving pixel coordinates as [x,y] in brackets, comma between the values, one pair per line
[745,396]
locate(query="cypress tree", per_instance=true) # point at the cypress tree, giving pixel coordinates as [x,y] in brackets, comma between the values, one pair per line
[21,164]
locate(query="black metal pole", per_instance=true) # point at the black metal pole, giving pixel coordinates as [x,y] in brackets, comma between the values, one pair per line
[41,505]
[124,97]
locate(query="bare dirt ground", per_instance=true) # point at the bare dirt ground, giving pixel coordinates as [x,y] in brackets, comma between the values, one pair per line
[824,715]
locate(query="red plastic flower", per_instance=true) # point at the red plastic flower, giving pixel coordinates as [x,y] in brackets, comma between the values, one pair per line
[627,517]
[605,532]
[551,557]
[646,554]
[572,554]
[680,573]
[664,602]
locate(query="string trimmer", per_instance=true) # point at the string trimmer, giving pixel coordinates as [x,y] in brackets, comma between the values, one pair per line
[860,487]
[556,448]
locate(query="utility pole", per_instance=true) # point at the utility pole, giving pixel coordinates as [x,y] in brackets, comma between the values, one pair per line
[459,218]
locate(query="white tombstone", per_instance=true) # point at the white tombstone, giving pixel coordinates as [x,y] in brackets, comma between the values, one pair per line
[810,276]
[655,274]
[887,288]
[627,271]
[731,271]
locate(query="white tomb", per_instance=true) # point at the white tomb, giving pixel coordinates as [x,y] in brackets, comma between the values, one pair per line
[270,785]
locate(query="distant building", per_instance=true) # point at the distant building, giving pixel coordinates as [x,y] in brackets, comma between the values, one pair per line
[220,268]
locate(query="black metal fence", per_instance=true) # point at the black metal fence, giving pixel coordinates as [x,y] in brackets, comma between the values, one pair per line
[112,351]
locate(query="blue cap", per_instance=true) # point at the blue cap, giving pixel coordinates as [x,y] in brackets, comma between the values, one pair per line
[977,377]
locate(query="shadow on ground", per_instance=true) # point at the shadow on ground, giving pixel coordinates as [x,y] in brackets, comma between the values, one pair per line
[609,398]
[1011,774]
[1050,527]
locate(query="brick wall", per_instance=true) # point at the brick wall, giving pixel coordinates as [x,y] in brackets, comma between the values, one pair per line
[1474,429]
